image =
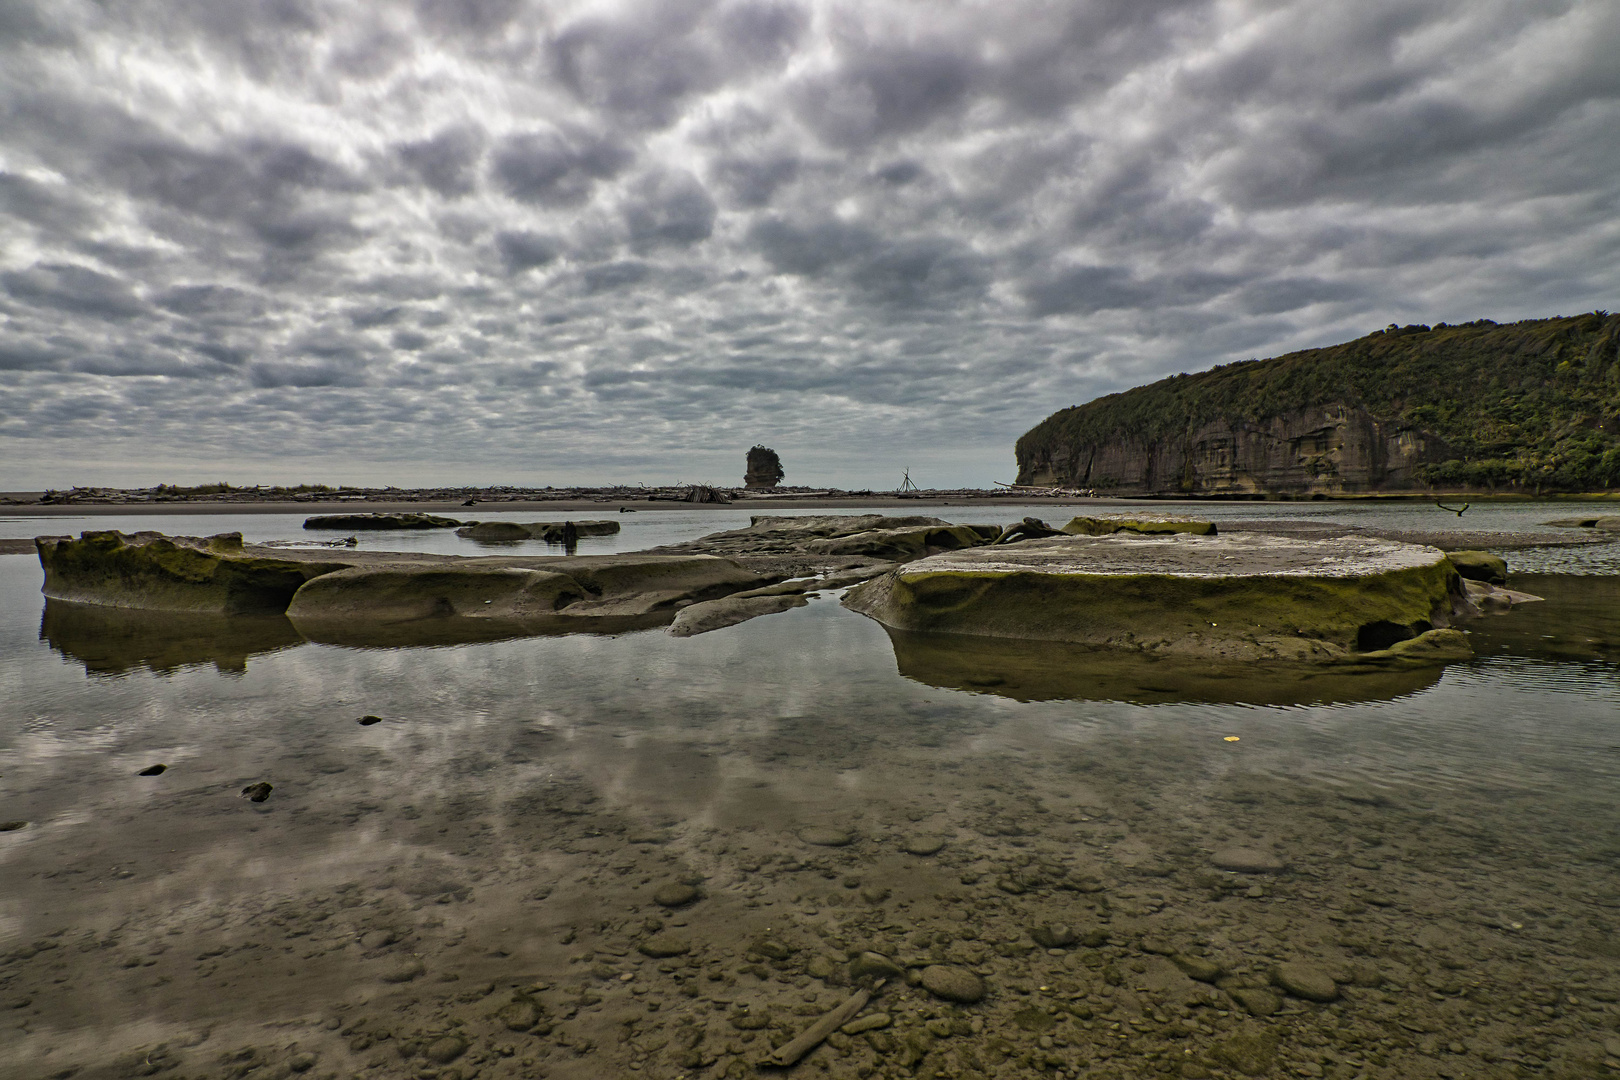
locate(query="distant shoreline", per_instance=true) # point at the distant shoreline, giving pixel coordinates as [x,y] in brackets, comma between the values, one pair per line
[26,504]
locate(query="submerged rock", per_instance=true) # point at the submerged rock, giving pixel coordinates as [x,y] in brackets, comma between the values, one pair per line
[1305,981]
[153,770]
[729,611]
[1248,861]
[1237,598]
[953,983]
[676,894]
[552,532]
[664,945]
[495,531]
[380,521]
[258,792]
[871,965]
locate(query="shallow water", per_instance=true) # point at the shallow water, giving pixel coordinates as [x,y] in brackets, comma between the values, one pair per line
[498,836]
[648,528]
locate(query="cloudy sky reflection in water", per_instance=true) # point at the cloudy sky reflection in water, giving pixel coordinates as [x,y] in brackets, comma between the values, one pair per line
[510,241]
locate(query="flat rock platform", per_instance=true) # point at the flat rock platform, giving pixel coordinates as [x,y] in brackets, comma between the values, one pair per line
[1245,596]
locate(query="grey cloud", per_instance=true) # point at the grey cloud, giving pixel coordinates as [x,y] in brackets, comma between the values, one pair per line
[20,354]
[368,317]
[76,289]
[886,89]
[638,70]
[1084,289]
[283,373]
[521,250]
[617,275]
[669,208]
[654,224]
[473,18]
[908,271]
[42,205]
[557,168]
[753,182]
[210,301]
[447,162]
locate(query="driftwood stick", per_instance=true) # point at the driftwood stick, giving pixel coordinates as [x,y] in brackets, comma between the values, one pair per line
[788,1053]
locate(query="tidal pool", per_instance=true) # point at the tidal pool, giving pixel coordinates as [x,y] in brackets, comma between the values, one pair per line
[639,855]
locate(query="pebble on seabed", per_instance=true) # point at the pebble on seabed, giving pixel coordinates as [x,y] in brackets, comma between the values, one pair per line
[153,770]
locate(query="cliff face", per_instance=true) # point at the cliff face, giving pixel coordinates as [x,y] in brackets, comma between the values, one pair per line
[1331,449]
[1534,405]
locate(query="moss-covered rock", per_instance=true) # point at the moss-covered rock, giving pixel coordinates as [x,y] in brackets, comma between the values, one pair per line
[1243,597]
[1480,566]
[154,572]
[1107,526]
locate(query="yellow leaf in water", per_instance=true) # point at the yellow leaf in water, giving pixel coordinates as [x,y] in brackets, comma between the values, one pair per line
[1231,738]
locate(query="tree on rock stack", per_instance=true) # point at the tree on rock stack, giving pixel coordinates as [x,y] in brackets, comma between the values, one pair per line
[764,468]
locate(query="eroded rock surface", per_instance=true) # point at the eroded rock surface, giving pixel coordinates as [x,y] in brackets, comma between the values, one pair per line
[1239,598]
[393,597]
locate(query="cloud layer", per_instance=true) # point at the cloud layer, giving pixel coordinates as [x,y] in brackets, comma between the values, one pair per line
[509,241]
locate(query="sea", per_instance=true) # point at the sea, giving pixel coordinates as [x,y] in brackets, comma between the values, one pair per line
[638,855]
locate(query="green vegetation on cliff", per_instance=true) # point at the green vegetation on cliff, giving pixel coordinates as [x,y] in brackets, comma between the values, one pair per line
[1533,405]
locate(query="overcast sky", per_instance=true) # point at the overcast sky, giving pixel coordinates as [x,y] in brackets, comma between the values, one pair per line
[514,241]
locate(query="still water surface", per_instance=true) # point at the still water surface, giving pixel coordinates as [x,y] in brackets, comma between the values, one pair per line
[467,887]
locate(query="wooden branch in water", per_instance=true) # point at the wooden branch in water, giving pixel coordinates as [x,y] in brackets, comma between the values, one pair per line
[788,1053]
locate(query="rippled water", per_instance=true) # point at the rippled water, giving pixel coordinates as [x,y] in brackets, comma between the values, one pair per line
[487,855]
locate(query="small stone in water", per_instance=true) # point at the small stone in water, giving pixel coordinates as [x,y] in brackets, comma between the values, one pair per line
[1054,936]
[663,945]
[821,837]
[404,971]
[258,792]
[1305,981]
[1249,861]
[923,845]
[953,983]
[445,1050]
[153,770]
[1257,1002]
[675,894]
[1196,967]
[875,966]
[12,826]
[367,721]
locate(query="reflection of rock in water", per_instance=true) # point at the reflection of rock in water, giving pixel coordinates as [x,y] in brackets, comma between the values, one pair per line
[1580,620]
[1051,670]
[111,641]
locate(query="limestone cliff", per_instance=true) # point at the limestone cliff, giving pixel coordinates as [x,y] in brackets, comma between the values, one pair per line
[1532,406]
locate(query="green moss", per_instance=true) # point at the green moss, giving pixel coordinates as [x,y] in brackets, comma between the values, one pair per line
[1480,566]
[1239,617]
[155,572]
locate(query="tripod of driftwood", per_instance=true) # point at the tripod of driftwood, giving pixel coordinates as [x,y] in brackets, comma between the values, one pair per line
[906,484]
